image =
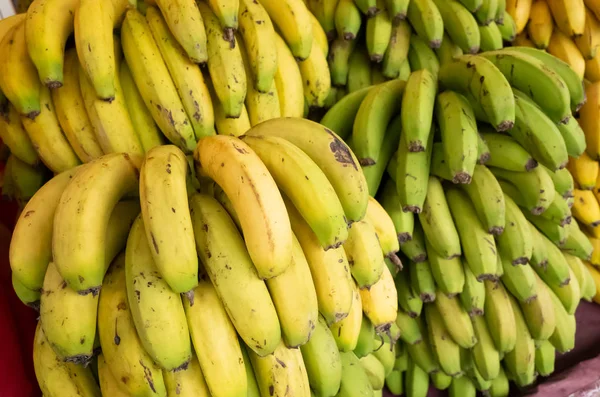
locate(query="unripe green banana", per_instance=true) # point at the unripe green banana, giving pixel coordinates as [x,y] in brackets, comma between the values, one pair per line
[437,221]
[347,20]
[402,357]
[415,248]
[573,136]
[417,381]
[555,232]
[539,312]
[408,300]
[577,243]
[410,332]
[404,222]
[473,295]
[460,25]
[491,37]
[582,275]
[480,383]
[359,68]
[322,361]
[478,245]
[471,75]
[378,33]
[447,50]
[519,279]
[422,57]
[448,274]
[421,278]
[558,212]
[340,54]
[545,355]
[500,386]
[520,362]
[563,338]
[457,320]
[539,254]
[386,354]
[364,254]
[439,166]
[421,353]
[569,294]
[508,29]
[499,316]
[427,21]
[374,370]
[556,271]
[440,380]
[365,343]
[563,181]
[485,355]
[536,187]
[459,134]
[354,379]
[340,117]
[374,173]
[397,51]
[486,195]
[445,350]
[487,12]
[395,383]
[515,243]
[507,153]
[462,387]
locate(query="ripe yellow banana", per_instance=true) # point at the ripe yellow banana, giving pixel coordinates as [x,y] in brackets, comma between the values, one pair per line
[590,40]
[346,331]
[584,171]
[364,254]
[384,227]
[540,25]
[211,327]
[71,111]
[228,264]
[586,208]
[380,302]
[122,348]
[186,23]
[227,13]
[31,243]
[49,24]
[292,18]
[79,231]
[223,124]
[588,122]
[154,82]
[157,311]
[108,383]
[189,382]
[592,69]
[563,47]
[297,316]
[288,81]
[48,138]
[268,235]
[57,378]
[569,16]
[520,11]
[315,77]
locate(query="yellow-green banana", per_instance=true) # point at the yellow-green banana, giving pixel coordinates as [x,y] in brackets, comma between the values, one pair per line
[539,312]
[364,254]
[427,21]
[444,348]
[384,227]
[288,81]
[366,338]
[462,387]
[448,274]
[499,316]
[417,110]
[397,50]
[519,279]
[460,24]
[354,379]
[491,37]
[457,320]
[292,18]
[28,296]
[507,153]
[472,296]
[410,332]
[378,32]
[416,381]
[380,302]
[346,332]
[357,63]
[515,242]
[15,137]
[535,186]
[563,338]
[374,370]
[421,277]
[347,19]
[188,382]
[485,355]
[408,301]
[486,195]
[520,362]
[109,385]
[545,355]
[404,222]
[421,56]
[415,248]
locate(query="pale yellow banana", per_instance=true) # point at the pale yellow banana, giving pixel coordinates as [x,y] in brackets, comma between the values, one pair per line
[380,302]
[292,18]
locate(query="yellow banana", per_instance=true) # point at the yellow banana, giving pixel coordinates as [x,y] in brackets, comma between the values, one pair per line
[320,38]
[157,311]
[15,137]
[125,356]
[590,40]
[288,81]
[57,378]
[228,264]
[189,382]
[384,227]
[569,16]
[584,170]
[31,297]
[292,18]
[540,25]
[346,331]
[210,327]
[108,383]
[563,47]
[154,82]
[589,122]
[586,208]
[380,302]
[72,114]
[49,24]
[223,124]
[19,79]
[520,11]
[147,131]
[227,13]
[79,231]
[186,24]
[48,138]
[592,68]
[268,235]
[298,317]
[187,77]
[315,77]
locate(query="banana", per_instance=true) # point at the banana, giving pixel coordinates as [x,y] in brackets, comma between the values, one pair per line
[122,349]
[410,332]
[556,271]
[437,223]
[588,42]
[416,381]
[322,360]
[56,378]
[570,19]
[563,338]
[354,379]
[577,243]
[19,82]
[225,65]
[273,151]
[591,292]
[563,47]
[415,248]
[445,350]
[358,67]
[31,242]
[32,298]
[595,259]
[586,208]
[536,187]
[515,243]
[13,135]
[403,221]
[322,14]
[457,320]
[271,257]
[520,12]
[491,37]
[448,274]
[539,312]
[421,56]
[227,13]
[346,332]
[151,302]
[508,29]
[288,81]
[395,383]
[485,355]
[163,194]
[109,385]
[408,301]
[499,104]
[253,389]
[569,294]
[472,296]
[372,119]
[478,245]
[500,386]
[486,195]
[386,351]
[397,50]
[297,316]
[439,166]
[427,21]
[584,280]
[188,382]
[544,358]
[480,383]
[364,254]
[573,136]
[48,25]
[340,117]
[422,280]
[417,110]
[374,174]
[186,76]
[472,5]
[261,332]
[347,19]
[584,171]
[453,113]
[292,18]
[210,325]
[440,380]
[520,362]
[499,316]
[551,229]
[447,50]
[592,69]
[365,343]
[521,40]
[462,387]
[378,33]
[487,12]
[507,153]
[380,302]
[519,279]
[316,78]
[563,182]
[71,112]
[460,24]
[81,217]
[422,352]
[590,125]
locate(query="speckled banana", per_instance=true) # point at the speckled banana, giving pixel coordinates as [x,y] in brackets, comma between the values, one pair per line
[268,236]
[515,243]
[315,77]
[221,239]
[79,231]
[189,382]
[109,386]
[292,18]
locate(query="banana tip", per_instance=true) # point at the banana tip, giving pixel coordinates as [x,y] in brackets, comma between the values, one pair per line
[505,125]
[435,43]
[372,11]
[349,36]
[461,178]
[531,164]
[496,230]
[52,84]
[404,237]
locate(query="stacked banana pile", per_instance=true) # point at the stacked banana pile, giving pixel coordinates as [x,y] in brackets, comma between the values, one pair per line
[474,176]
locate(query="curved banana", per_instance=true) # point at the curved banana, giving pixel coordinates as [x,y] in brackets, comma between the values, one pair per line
[460,24]
[519,280]
[223,124]
[515,243]
[573,136]
[397,50]
[520,362]
[425,18]
[539,312]
[535,186]
[417,109]
[380,302]
[31,297]
[507,153]
[315,77]
[444,348]
[14,136]
[499,316]
[447,273]
[347,331]
[569,18]
[364,254]
[79,231]
[378,32]
[72,114]
[486,195]
[403,221]
[563,47]
[323,15]
[288,81]
[422,354]
[347,19]
[457,320]
[108,383]
[355,73]
[122,349]
[508,29]
[49,24]
[485,355]
[415,249]
[540,25]
[292,18]
[491,37]
[563,338]
[472,296]
[577,243]
[154,82]
[221,248]
[421,56]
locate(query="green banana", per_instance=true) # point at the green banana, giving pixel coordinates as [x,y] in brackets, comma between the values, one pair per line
[401,362]
[374,173]
[417,110]
[421,278]
[415,248]
[397,9]
[440,380]
[410,332]
[485,355]
[499,316]
[536,187]
[556,271]
[515,243]
[397,50]
[584,280]
[374,370]
[340,53]
[519,280]
[444,348]
[555,232]
[447,50]
[378,33]
[478,245]
[395,383]
[354,379]
[422,353]
[457,320]
[491,37]
[472,296]
[487,12]
[417,381]
[364,254]
[486,195]
[508,28]
[545,354]
[480,383]
[500,386]
[448,274]
[439,166]
[462,387]
[520,362]
[563,181]
[347,19]
[427,21]
[507,153]
[569,294]
[483,151]
[539,312]
[386,354]
[563,338]
[404,222]
[573,136]
[408,301]
[460,25]
[422,57]
[340,117]
[477,77]
[359,67]
[365,344]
